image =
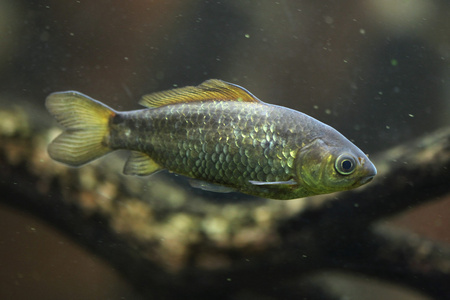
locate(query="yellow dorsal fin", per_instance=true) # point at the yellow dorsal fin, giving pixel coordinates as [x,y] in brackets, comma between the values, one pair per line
[212,89]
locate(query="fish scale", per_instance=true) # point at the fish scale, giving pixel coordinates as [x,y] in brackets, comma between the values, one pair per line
[224,130]
[217,133]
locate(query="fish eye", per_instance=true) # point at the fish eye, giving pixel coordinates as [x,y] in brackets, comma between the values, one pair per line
[345,164]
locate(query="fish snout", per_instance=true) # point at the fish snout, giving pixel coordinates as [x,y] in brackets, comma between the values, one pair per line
[369,171]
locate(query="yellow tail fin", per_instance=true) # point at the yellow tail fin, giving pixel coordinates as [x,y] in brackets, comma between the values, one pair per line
[86,125]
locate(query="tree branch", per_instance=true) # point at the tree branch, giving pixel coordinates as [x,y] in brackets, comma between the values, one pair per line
[171,241]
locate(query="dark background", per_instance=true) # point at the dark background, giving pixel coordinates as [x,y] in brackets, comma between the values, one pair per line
[377,71]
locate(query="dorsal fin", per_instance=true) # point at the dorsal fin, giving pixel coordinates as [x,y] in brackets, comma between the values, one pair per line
[212,89]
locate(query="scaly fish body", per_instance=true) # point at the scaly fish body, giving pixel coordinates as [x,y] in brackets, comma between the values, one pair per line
[218,133]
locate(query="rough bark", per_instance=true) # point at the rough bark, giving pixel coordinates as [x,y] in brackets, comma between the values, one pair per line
[172,241]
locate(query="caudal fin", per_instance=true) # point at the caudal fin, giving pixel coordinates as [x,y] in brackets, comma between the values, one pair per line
[85,121]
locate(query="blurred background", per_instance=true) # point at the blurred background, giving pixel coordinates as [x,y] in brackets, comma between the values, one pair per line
[376,70]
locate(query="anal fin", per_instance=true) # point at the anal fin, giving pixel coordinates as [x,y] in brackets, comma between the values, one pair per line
[140,164]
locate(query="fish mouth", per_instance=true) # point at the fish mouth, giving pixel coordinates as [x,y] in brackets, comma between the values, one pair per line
[369,174]
[366,179]
[363,181]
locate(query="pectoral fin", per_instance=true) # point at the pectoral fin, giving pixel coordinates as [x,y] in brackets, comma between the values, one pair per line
[289,182]
[140,164]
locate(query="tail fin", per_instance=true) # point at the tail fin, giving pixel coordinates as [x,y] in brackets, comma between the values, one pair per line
[86,125]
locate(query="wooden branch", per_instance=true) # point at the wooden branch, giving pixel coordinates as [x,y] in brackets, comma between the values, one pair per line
[172,241]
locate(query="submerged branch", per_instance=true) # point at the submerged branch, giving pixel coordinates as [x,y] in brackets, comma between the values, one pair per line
[171,241]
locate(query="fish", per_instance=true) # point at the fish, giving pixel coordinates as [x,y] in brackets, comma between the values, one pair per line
[217,133]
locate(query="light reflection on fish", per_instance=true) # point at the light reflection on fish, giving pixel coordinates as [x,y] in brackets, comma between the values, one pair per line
[216,132]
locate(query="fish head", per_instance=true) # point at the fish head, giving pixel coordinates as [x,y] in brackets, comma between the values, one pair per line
[325,168]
